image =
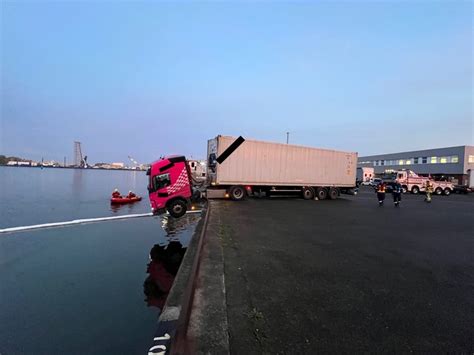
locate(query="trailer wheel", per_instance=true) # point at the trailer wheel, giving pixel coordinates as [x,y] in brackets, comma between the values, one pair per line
[237,193]
[177,208]
[438,191]
[308,193]
[321,193]
[415,190]
[333,193]
[447,191]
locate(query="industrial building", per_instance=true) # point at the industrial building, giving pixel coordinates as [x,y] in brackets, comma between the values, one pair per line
[452,163]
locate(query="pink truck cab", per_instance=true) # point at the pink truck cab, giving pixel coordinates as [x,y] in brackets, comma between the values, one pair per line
[169,186]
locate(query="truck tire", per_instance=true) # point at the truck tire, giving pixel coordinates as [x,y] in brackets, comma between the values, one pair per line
[333,193]
[447,191]
[177,208]
[237,193]
[308,193]
[404,189]
[415,189]
[321,193]
[438,191]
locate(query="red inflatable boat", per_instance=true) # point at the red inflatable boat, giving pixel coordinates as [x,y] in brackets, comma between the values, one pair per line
[124,200]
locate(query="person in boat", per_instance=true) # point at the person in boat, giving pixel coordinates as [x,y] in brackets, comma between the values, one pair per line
[131,194]
[116,194]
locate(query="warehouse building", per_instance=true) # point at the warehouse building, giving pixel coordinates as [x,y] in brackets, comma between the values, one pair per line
[452,163]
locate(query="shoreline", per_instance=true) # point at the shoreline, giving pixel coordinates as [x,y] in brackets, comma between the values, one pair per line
[67,167]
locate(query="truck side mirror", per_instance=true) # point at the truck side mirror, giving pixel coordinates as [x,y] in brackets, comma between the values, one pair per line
[212,160]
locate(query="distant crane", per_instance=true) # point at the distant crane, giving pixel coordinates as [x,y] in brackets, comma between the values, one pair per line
[137,164]
[79,160]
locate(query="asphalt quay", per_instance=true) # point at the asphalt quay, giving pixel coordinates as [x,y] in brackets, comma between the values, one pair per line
[347,275]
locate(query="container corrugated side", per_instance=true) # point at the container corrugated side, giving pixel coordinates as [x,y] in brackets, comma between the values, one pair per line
[265,163]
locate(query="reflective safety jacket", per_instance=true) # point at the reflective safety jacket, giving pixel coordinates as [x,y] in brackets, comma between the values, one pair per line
[381,188]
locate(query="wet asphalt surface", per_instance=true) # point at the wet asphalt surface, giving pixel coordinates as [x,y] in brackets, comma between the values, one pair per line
[348,275]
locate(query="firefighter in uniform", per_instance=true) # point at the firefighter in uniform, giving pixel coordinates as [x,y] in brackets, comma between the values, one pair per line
[429,191]
[116,194]
[381,192]
[397,194]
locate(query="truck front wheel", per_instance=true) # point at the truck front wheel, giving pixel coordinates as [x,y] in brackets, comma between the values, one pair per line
[177,208]
[237,193]
[415,190]
[404,189]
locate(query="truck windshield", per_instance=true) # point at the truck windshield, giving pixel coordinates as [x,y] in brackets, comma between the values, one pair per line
[160,181]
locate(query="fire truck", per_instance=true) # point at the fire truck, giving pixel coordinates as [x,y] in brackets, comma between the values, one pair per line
[412,182]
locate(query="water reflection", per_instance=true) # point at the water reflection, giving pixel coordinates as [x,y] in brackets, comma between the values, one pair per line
[77,184]
[162,269]
[166,257]
[174,226]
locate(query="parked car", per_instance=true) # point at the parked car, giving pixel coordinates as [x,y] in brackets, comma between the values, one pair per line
[461,189]
[389,186]
[375,182]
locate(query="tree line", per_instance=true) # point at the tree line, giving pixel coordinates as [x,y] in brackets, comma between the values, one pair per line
[4,159]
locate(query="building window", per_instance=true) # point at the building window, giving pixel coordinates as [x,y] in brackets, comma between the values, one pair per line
[443,160]
[408,162]
[433,160]
[401,162]
[424,160]
[471,159]
[415,160]
[454,159]
[382,162]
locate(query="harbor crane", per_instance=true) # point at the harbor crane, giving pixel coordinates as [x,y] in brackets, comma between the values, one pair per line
[137,165]
[79,160]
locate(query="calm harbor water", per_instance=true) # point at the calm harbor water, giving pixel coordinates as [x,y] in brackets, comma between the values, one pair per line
[88,289]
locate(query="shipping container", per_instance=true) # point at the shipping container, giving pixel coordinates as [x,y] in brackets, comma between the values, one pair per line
[258,166]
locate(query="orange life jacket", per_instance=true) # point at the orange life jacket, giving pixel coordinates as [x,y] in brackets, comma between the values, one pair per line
[381,188]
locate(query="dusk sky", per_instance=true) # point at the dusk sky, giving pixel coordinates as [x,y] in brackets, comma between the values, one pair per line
[151,78]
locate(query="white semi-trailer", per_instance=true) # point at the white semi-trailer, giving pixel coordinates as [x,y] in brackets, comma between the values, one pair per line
[238,168]
[364,175]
